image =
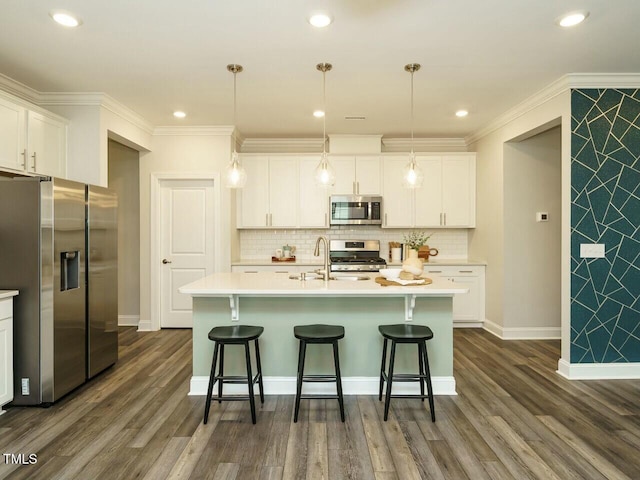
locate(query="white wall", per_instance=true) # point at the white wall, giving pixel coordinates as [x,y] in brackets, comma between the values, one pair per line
[487,241]
[532,255]
[206,153]
[124,180]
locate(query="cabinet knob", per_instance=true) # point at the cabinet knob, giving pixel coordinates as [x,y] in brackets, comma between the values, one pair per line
[34,161]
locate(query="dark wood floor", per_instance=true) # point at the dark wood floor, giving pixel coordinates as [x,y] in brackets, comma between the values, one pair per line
[514,418]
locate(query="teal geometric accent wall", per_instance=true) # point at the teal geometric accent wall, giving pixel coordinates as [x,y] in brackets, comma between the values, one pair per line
[605,208]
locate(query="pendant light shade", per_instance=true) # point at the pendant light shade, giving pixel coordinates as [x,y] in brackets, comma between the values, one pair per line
[412,176]
[325,175]
[236,177]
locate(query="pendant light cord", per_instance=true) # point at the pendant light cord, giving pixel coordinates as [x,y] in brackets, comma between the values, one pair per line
[412,112]
[235,113]
[324,117]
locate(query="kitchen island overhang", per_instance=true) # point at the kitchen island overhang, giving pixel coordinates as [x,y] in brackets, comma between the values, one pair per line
[277,303]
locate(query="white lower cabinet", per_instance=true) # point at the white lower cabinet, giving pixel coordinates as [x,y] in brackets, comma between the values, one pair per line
[6,351]
[468,308]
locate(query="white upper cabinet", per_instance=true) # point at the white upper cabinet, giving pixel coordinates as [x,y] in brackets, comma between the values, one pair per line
[281,193]
[47,144]
[253,208]
[447,197]
[397,201]
[356,175]
[314,199]
[32,140]
[12,131]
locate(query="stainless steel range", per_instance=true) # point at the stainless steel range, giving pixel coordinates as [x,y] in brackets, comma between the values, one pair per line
[355,256]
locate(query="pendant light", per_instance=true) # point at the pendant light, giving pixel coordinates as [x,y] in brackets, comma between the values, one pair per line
[412,176]
[236,177]
[325,175]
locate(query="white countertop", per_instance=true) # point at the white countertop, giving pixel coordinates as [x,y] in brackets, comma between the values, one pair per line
[318,263]
[274,284]
[8,293]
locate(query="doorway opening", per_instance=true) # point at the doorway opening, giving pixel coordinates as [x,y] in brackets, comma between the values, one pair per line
[124,179]
[532,235]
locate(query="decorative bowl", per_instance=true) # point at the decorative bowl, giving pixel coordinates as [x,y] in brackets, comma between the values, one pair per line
[390,273]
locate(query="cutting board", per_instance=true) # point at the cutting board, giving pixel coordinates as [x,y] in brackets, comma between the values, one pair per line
[385,283]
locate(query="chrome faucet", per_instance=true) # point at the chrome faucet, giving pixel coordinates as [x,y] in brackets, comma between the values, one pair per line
[316,253]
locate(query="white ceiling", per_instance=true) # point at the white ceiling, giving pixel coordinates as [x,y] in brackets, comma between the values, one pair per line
[157,56]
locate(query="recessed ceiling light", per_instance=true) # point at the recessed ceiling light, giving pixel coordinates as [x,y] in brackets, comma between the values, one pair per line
[179,114]
[318,114]
[572,19]
[65,19]
[320,19]
[462,113]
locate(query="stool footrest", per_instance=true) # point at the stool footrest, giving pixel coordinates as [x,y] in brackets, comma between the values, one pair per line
[404,377]
[319,378]
[231,398]
[319,397]
[409,396]
[234,379]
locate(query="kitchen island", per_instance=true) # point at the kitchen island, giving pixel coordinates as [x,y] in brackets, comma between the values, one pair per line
[278,302]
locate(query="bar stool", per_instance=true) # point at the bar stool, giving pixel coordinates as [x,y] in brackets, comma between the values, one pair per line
[406,333]
[318,334]
[234,335]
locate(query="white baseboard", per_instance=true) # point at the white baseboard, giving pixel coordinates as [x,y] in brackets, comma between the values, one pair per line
[599,371]
[128,320]
[468,324]
[522,333]
[144,326]
[350,386]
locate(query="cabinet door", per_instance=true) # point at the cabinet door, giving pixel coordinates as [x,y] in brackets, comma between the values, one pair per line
[47,145]
[254,197]
[6,359]
[429,196]
[466,305]
[314,199]
[345,168]
[397,200]
[283,191]
[458,190]
[12,130]
[368,175]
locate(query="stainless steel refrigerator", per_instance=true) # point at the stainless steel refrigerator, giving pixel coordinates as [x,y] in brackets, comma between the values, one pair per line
[44,234]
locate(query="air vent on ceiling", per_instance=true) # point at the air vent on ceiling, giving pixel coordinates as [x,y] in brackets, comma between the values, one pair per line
[355,117]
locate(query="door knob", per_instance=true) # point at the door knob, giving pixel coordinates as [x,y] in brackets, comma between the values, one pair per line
[165,261]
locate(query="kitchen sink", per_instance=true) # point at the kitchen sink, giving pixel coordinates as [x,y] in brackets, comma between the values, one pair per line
[314,276]
[350,277]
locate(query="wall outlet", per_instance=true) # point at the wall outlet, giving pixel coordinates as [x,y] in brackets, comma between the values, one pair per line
[542,217]
[25,386]
[592,250]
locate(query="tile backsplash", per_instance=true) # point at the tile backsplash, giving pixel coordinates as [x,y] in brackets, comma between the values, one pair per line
[261,244]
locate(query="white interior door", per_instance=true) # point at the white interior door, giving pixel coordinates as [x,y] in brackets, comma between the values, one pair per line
[186,245]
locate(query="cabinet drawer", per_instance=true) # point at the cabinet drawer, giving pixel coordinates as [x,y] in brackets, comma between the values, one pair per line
[6,308]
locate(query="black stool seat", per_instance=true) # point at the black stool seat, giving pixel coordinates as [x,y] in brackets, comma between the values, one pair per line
[234,335]
[406,333]
[318,334]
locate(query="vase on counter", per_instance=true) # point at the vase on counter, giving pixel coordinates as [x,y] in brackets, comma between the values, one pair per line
[413,253]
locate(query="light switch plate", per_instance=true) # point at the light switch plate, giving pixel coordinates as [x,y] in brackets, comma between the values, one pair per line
[592,250]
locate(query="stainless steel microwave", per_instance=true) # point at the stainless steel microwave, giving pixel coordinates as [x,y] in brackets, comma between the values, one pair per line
[356,210]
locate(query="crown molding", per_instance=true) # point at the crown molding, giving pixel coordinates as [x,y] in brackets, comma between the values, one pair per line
[422,144]
[276,145]
[561,85]
[603,80]
[556,88]
[204,130]
[18,89]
